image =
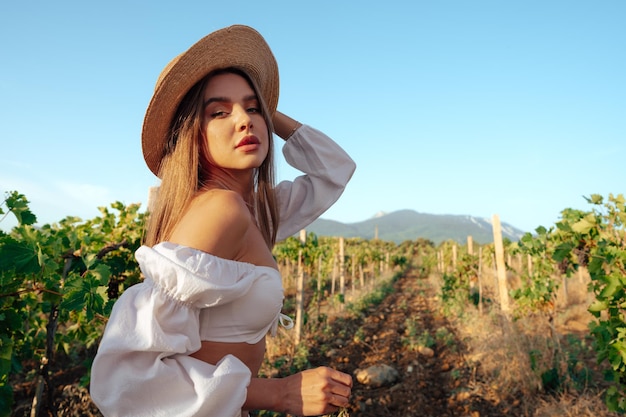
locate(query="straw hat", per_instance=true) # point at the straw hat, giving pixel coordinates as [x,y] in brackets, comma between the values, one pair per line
[236,46]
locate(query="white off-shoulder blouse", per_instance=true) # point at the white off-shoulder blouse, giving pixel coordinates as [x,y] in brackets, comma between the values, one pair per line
[143,367]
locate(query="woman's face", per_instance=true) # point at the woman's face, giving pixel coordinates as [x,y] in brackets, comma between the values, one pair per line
[233,126]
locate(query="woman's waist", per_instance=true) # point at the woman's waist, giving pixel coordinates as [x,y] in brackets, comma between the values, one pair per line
[250,354]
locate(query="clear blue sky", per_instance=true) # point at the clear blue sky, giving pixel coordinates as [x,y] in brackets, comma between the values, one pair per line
[448,107]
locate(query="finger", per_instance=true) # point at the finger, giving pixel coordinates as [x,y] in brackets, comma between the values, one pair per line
[341,377]
[342,391]
[336,387]
[339,401]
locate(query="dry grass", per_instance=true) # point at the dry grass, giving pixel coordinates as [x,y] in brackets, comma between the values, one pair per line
[501,352]
[511,354]
[585,404]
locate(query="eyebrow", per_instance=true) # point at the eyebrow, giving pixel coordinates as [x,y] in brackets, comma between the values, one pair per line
[251,97]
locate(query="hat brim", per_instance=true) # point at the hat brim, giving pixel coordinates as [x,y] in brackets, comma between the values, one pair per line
[236,46]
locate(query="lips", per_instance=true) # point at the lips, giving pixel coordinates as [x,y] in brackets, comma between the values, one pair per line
[249,140]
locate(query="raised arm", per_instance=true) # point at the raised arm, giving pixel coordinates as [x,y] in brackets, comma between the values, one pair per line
[284,126]
[327,169]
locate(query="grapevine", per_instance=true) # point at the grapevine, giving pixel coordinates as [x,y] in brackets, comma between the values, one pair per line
[57,286]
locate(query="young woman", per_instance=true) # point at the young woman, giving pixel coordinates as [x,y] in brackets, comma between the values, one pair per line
[190,339]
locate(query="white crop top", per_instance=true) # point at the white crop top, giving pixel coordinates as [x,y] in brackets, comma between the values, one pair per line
[238,301]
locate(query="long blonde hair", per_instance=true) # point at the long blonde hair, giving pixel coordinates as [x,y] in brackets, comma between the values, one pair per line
[183,171]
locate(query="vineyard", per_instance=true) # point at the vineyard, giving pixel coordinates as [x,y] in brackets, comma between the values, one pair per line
[528,328]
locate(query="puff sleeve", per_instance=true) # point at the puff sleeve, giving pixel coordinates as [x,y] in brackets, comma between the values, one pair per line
[143,367]
[327,168]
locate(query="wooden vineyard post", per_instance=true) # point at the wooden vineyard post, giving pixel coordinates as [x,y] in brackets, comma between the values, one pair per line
[500,266]
[361,275]
[440,261]
[319,284]
[470,252]
[334,276]
[565,295]
[319,276]
[342,267]
[454,255]
[480,280]
[353,272]
[300,290]
[581,278]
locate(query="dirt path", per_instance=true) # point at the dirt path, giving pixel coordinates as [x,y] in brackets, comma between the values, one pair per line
[440,385]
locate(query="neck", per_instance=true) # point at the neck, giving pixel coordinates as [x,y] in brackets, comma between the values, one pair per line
[239,181]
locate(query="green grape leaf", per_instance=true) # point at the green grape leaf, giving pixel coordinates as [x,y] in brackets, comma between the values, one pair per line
[74,300]
[613,284]
[100,274]
[6,399]
[18,205]
[595,199]
[584,225]
[562,251]
[595,266]
[19,257]
[598,306]
[6,352]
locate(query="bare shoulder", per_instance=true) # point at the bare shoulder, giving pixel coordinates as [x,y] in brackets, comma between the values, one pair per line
[216,222]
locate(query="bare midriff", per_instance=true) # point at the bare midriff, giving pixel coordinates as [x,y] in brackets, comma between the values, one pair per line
[250,355]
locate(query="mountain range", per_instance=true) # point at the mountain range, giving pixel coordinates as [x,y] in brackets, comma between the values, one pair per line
[402,225]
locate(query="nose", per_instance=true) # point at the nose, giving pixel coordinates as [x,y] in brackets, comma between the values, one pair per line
[243,119]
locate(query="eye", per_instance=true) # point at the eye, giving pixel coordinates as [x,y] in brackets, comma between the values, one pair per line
[252,106]
[218,114]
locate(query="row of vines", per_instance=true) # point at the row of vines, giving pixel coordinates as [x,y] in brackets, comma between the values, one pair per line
[58,284]
[582,243]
